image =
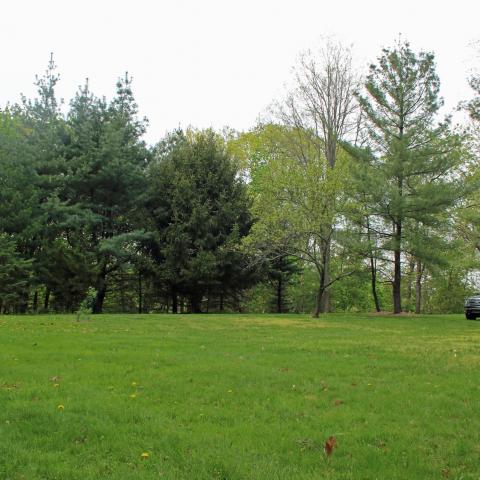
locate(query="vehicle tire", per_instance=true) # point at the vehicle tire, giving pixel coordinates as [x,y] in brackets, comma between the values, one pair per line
[470,316]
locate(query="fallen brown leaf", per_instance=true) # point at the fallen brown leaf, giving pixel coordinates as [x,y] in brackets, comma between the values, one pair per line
[330,444]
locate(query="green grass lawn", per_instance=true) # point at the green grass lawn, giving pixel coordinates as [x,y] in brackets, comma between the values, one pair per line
[239,397]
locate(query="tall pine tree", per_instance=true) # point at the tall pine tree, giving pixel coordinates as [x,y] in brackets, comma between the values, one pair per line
[106,161]
[407,175]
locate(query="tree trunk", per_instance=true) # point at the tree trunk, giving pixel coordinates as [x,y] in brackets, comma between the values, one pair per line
[122,294]
[47,299]
[318,302]
[279,295]
[139,292]
[100,296]
[221,302]
[101,289]
[174,301]
[373,271]
[331,149]
[411,270]
[35,302]
[325,303]
[195,301]
[208,300]
[373,267]
[397,277]
[418,287]
[320,291]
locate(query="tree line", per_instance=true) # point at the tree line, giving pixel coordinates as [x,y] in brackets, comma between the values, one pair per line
[351,194]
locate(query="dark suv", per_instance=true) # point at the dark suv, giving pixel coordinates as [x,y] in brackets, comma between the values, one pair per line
[472,307]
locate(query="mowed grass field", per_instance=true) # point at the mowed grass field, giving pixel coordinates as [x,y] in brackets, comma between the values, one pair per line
[239,397]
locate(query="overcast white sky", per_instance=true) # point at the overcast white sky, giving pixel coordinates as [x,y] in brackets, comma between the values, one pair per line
[218,62]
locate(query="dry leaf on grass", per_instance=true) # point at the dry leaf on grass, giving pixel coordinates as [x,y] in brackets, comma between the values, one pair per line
[330,444]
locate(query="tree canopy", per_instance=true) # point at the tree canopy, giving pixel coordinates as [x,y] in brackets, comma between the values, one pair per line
[350,194]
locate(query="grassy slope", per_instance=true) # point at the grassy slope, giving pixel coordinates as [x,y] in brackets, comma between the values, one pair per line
[239,397]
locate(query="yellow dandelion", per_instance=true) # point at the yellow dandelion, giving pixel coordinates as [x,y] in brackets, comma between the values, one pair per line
[134,384]
[145,455]
[61,408]
[56,385]
[133,395]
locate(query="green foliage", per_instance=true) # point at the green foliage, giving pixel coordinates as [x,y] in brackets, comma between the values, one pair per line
[353,294]
[200,212]
[446,290]
[467,218]
[303,291]
[106,159]
[408,178]
[15,275]
[66,272]
[297,197]
[273,293]
[86,305]
[260,220]
[19,197]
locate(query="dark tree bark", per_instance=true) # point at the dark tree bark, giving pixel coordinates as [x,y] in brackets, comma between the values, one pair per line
[195,301]
[174,301]
[46,302]
[208,300]
[411,269]
[35,302]
[318,303]
[100,297]
[397,276]
[325,302]
[279,295]
[221,302]
[122,293]
[101,288]
[139,292]
[373,267]
[418,287]
[373,271]
[397,254]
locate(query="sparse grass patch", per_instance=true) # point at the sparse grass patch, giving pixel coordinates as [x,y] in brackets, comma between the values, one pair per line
[239,397]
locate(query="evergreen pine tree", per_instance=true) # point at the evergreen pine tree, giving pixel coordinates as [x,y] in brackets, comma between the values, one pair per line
[407,176]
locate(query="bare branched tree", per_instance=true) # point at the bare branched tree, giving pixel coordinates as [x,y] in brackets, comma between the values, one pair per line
[322,110]
[322,100]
